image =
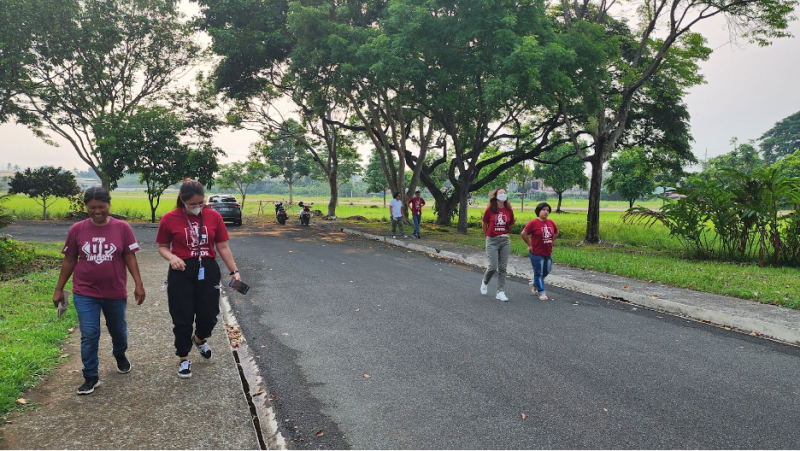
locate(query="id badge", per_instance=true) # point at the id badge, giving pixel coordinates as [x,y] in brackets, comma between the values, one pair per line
[201,273]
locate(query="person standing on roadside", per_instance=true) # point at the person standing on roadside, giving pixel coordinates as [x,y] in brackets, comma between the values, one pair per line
[539,235]
[497,221]
[416,203]
[189,237]
[96,254]
[396,211]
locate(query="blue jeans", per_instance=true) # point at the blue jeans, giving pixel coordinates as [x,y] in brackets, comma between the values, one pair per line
[89,318]
[417,219]
[541,268]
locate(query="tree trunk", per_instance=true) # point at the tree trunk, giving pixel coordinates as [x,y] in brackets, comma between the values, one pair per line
[104,181]
[384,197]
[334,200]
[291,197]
[463,208]
[593,215]
[560,195]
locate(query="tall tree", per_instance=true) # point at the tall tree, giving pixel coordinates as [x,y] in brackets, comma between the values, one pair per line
[631,175]
[782,139]
[375,177]
[561,169]
[147,141]
[239,175]
[285,156]
[617,67]
[44,185]
[116,56]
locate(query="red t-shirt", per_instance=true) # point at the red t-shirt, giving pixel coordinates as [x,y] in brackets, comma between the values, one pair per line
[100,272]
[174,229]
[499,223]
[416,205]
[541,235]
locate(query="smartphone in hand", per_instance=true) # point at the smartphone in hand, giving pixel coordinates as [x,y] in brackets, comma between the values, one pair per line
[239,286]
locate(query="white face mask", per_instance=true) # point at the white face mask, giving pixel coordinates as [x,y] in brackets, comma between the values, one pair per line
[502,197]
[194,211]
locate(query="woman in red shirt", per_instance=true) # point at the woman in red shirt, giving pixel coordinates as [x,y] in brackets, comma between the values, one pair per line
[189,237]
[97,252]
[539,235]
[497,221]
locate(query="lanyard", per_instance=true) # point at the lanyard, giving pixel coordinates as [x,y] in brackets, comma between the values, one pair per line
[197,235]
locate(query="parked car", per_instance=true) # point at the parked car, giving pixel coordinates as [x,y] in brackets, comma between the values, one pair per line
[228,207]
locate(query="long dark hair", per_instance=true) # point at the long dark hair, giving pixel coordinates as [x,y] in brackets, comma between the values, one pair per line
[189,189]
[493,201]
[96,193]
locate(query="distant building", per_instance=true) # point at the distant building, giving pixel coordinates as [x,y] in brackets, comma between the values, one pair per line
[85,183]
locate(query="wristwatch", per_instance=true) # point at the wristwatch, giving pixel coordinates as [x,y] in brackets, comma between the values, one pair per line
[234,271]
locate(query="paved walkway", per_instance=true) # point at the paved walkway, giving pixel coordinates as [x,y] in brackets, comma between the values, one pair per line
[148,408]
[771,321]
[151,408]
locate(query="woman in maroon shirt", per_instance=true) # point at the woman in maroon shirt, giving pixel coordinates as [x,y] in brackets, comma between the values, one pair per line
[539,235]
[97,252]
[189,237]
[497,221]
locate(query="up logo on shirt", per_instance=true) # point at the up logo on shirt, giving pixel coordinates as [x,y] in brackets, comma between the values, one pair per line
[547,233]
[98,250]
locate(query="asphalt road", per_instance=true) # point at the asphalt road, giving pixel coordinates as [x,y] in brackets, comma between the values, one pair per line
[378,347]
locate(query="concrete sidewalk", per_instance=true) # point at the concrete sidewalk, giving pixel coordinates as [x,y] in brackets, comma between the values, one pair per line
[750,317]
[148,408]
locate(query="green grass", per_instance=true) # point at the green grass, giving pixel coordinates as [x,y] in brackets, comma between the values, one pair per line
[30,334]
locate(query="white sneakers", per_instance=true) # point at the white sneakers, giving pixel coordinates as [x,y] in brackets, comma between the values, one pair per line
[501,295]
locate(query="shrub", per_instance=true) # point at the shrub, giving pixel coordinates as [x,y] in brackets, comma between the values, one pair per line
[14,254]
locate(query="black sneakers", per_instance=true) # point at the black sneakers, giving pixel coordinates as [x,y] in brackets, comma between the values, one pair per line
[203,348]
[89,383]
[123,364]
[185,369]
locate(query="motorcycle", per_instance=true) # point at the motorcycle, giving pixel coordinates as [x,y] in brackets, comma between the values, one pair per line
[280,213]
[305,213]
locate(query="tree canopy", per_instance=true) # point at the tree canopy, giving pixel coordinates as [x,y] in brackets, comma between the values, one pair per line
[782,139]
[108,58]
[44,185]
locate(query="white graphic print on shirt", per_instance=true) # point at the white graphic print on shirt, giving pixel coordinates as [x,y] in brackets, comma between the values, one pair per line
[192,237]
[500,222]
[547,234]
[98,251]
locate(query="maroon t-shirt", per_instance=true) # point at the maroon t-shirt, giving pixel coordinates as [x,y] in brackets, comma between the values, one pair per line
[174,229]
[499,223]
[100,272]
[416,205]
[541,235]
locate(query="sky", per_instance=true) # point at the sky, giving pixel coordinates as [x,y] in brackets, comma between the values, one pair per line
[748,89]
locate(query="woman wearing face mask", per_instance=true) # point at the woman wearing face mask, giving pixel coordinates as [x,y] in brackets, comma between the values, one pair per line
[497,221]
[189,237]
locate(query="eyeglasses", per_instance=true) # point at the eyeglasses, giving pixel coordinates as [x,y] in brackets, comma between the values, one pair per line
[196,204]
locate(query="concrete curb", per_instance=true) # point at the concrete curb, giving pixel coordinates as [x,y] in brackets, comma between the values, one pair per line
[780,324]
[258,395]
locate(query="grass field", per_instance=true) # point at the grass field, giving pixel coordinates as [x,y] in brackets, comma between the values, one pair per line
[627,250]
[30,333]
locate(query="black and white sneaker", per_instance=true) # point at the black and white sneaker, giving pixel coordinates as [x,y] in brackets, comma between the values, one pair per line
[123,364]
[89,384]
[185,369]
[203,348]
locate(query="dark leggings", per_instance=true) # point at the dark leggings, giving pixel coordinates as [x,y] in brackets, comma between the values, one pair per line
[193,304]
